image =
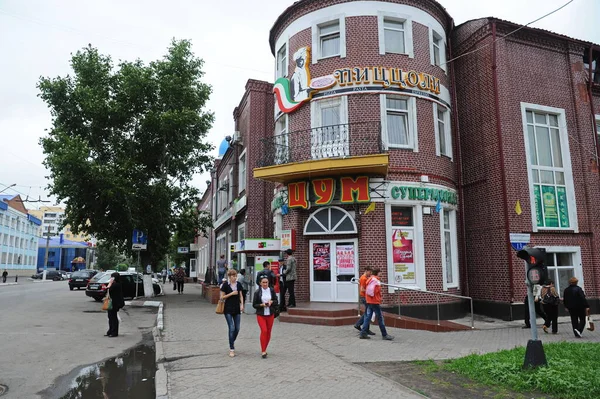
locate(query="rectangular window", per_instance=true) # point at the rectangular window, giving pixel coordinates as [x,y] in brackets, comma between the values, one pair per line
[449,248]
[329,120]
[549,164]
[437,43]
[597,130]
[563,263]
[443,136]
[242,172]
[329,39]
[399,121]
[393,31]
[282,64]
[437,49]
[402,242]
[230,193]
[281,140]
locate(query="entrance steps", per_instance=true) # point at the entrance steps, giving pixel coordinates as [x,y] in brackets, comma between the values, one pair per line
[340,314]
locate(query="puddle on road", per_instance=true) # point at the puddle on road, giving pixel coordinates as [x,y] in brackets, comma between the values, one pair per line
[127,376]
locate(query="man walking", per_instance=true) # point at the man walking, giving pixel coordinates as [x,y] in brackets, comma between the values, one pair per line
[373,298]
[221,269]
[266,273]
[577,305]
[537,290]
[290,279]
[362,287]
[179,279]
[4,276]
[164,275]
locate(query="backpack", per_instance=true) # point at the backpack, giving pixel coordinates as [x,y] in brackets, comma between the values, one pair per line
[550,299]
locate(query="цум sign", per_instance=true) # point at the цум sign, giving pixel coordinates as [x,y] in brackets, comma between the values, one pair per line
[519,241]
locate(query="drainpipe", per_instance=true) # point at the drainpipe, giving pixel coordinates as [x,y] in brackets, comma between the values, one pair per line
[458,164]
[590,83]
[511,287]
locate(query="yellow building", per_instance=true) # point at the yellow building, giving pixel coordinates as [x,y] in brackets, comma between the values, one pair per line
[52,217]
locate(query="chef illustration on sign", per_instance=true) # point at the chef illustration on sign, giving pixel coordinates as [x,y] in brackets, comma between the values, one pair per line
[300,78]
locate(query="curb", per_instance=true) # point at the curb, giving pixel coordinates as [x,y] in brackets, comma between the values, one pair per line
[2,284]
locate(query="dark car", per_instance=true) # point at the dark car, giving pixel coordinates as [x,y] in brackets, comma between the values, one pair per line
[97,289]
[53,275]
[81,278]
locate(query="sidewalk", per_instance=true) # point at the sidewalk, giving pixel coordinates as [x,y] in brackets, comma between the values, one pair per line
[307,361]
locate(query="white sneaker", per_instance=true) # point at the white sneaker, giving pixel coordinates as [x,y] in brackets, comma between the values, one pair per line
[577,333]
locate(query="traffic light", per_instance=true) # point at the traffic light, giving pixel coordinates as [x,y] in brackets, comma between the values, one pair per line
[537,272]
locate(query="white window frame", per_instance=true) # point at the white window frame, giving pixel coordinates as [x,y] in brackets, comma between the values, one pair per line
[316,37]
[230,193]
[454,246]
[442,49]
[408,33]
[577,264]
[241,256]
[566,153]
[413,137]
[316,120]
[282,138]
[282,73]
[242,170]
[447,131]
[597,131]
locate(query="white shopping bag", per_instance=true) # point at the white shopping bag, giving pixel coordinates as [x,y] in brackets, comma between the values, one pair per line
[373,318]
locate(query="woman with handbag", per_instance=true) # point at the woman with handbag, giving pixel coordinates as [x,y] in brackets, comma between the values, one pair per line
[231,293]
[265,303]
[115,294]
[550,301]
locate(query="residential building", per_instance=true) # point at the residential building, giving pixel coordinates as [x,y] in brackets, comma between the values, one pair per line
[52,218]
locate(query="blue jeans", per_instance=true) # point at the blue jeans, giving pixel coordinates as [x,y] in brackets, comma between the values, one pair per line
[373,308]
[360,321]
[233,322]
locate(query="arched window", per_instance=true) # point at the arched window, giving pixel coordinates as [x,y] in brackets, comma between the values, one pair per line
[330,220]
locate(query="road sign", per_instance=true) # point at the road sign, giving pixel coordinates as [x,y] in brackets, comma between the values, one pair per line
[139,240]
[519,241]
[183,250]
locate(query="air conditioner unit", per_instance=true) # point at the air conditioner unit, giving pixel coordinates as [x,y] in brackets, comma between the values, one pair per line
[237,137]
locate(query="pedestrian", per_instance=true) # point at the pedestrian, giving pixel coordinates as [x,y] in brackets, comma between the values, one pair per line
[290,278]
[221,269]
[164,275]
[282,285]
[170,274]
[576,303]
[362,287]
[537,303]
[244,281]
[232,294]
[266,273]
[179,279]
[373,299]
[4,276]
[265,302]
[550,301]
[115,292]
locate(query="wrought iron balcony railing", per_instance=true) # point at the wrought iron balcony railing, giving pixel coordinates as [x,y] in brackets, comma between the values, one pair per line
[336,141]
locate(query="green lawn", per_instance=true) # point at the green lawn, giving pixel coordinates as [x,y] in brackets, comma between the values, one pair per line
[573,370]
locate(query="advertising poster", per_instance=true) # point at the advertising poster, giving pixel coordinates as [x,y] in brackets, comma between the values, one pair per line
[403,256]
[550,206]
[345,259]
[321,256]
[562,206]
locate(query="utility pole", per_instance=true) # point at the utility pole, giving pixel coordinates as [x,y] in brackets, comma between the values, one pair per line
[46,256]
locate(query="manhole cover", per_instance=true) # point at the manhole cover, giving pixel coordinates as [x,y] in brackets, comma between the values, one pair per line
[3,389]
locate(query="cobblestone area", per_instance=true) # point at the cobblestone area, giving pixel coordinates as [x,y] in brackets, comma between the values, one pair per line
[304,360]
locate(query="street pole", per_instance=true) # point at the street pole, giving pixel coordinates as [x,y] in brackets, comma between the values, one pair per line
[534,352]
[137,276]
[46,256]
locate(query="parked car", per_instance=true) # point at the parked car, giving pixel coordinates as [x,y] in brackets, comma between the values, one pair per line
[53,275]
[97,289]
[81,278]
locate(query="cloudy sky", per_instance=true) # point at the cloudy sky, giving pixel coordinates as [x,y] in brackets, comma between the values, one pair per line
[38,36]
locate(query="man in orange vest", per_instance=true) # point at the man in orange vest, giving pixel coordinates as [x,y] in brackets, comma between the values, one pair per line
[362,287]
[373,297]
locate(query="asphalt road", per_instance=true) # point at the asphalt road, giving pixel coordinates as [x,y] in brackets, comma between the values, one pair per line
[47,331]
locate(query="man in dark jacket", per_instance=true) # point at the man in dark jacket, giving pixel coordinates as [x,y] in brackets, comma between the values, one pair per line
[577,305]
[266,272]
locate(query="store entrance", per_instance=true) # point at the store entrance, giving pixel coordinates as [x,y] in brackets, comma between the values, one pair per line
[334,263]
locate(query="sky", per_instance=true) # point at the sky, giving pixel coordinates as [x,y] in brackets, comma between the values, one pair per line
[37,38]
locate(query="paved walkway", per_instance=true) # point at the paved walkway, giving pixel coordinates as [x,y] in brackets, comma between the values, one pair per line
[307,361]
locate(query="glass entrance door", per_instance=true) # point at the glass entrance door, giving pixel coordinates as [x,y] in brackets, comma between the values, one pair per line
[333,265]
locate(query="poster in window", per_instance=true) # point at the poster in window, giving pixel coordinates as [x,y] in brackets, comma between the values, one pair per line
[538,206]
[345,259]
[321,256]
[563,209]
[550,206]
[403,256]
[402,216]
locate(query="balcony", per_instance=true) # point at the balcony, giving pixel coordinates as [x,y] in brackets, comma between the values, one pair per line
[354,148]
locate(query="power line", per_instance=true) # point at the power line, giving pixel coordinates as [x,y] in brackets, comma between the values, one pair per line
[508,34]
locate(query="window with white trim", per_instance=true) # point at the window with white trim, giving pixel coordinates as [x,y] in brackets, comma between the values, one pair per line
[329,121]
[549,168]
[443,135]
[282,64]
[281,139]
[563,263]
[398,119]
[329,39]
[230,193]
[437,49]
[242,172]
[394,38]
[598,128]
[449,248]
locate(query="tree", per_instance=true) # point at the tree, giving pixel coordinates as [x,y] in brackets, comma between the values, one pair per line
[125,143]
[108,256]
[191,223]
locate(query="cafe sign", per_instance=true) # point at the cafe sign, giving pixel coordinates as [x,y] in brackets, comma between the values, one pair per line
[319,192]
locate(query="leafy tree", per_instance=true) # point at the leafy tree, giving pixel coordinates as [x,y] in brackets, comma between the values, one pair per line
[125,142]
[108,256]
[190,224]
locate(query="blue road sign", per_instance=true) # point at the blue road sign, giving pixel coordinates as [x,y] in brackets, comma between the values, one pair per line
[519,241]
[139,240]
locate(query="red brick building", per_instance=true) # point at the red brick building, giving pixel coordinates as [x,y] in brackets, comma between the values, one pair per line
[381,153]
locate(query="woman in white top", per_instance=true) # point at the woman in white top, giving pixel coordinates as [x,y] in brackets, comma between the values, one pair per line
[265,303]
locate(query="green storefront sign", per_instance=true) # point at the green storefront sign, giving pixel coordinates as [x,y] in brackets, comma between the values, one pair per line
[424,194]
[551,209]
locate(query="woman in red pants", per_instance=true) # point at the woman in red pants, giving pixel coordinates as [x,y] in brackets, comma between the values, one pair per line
[265,303]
